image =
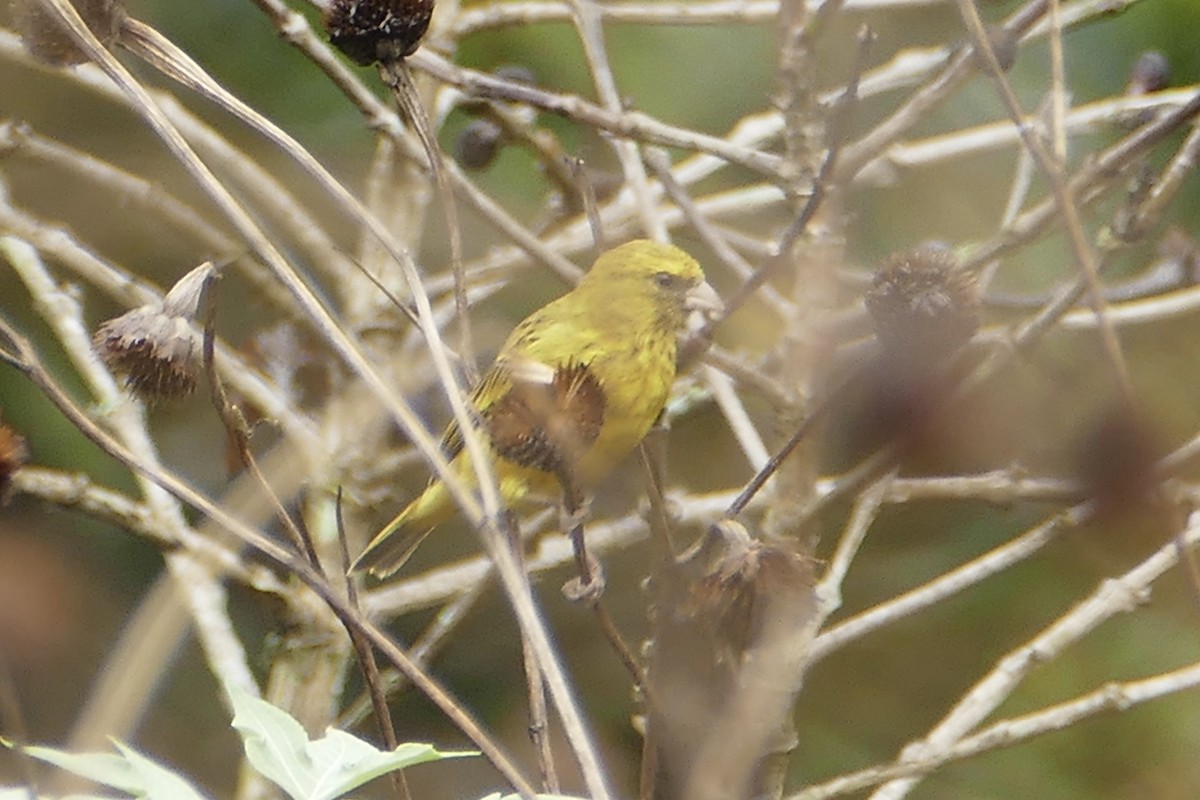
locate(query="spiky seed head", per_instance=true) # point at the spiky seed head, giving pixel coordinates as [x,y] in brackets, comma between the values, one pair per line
[377,30]
[156,346]
[924,306]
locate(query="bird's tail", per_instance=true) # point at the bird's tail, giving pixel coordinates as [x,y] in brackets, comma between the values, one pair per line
[400,538]
[388,551]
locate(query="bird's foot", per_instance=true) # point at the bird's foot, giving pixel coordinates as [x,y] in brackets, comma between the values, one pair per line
[586,588]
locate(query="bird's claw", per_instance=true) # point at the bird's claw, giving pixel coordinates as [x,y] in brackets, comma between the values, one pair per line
[578,591]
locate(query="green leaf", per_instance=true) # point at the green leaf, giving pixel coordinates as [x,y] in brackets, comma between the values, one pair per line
[322,769]
[130,772]
[104,768]
[156,781]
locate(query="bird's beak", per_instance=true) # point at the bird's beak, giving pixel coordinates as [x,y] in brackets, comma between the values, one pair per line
[703,298]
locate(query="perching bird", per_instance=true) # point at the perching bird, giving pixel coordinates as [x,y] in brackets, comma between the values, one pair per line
[573,390]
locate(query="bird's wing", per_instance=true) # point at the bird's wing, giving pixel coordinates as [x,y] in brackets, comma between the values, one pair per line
[495,384]
[536,415]
[547,425]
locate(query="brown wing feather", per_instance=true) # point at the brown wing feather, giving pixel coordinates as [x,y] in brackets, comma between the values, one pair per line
[491,386]
[541,426]
[548,427]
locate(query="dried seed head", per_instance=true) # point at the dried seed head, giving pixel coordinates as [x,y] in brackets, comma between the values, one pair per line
[1150,73]
[724,628]
[377,30]
[155,353]
[477,145]
[156,346]
[925,308]
[48,39]
[13,455]
[1117,460]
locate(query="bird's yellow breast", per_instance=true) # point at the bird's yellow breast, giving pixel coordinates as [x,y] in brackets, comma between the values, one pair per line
[637,379]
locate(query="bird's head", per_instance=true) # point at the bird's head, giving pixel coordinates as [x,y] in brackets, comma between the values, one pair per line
[666,278]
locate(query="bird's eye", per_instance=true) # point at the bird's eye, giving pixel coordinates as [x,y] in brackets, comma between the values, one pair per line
[664,280]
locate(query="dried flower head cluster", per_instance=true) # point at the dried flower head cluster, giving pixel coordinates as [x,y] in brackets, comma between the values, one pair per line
[13,455]
[924,306]
[377,30]
[156,346]
[48,40]
[721,630]
[1117,459]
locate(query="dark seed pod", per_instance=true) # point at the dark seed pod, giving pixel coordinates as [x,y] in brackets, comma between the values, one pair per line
[377,30]
[48,40]
[1150,73]
[925,308]
[155,346]
[478,144]
[1117,459]
[12,457]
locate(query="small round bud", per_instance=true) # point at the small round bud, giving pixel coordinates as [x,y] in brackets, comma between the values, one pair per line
[155,346]
[377,30]
[13,455]
[1149,73]
[478,144]
[925,308]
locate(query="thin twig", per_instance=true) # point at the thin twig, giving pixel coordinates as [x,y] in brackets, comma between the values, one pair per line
[587,196]
[693,12]
[398,78]
[236,428]
[626,124]
[366,656]
[826,175]
[1109,698]
[20,355]
[816,412]
[1113,596]
[428,644]
[539,723]
[1085,259]
[959,65]
[586,16]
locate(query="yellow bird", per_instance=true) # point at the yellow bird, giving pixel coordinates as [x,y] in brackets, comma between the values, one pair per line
[573,390]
